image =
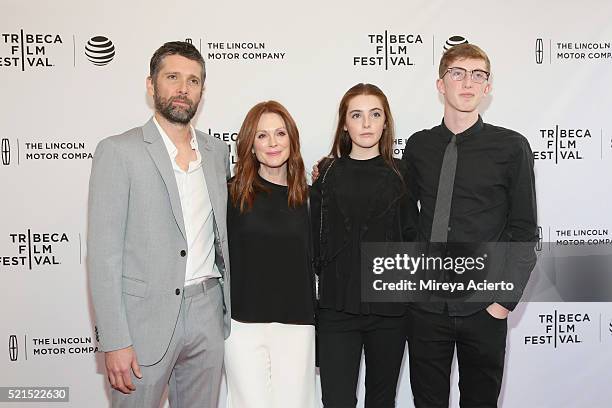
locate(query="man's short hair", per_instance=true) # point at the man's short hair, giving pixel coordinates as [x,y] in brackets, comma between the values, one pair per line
[182,48]
[462,51]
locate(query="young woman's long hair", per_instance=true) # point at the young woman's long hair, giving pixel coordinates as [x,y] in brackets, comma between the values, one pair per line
[245,184]
[342,140]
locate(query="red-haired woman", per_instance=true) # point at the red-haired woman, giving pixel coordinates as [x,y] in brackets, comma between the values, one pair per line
[358,197]
[269,356]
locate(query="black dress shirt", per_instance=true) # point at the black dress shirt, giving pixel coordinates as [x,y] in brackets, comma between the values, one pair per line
[493,198]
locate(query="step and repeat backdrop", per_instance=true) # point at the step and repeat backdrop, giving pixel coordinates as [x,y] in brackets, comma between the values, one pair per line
[73,72]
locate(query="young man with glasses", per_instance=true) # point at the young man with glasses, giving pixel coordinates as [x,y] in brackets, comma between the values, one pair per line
[475,184]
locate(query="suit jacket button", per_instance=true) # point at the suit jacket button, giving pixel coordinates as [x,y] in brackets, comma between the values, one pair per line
[183,252]
[177,291]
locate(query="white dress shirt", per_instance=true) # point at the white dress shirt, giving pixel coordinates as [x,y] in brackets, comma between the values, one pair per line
[197,213]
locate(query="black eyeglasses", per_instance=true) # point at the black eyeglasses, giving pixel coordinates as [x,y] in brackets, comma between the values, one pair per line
[477,75]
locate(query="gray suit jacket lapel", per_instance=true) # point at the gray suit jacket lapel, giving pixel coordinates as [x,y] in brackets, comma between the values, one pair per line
[159,154]
[210,172]
[212,177]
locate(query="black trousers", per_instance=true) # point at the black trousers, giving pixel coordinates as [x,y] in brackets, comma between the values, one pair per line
[342,336]
[481,347]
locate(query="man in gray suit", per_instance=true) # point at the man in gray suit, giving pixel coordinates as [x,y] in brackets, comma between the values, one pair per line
[157,246]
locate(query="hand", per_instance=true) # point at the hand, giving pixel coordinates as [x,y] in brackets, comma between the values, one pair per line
[315,168]
[118,366]
[497,311]
[315,171]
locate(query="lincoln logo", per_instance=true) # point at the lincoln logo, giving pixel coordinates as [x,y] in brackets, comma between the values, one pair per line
[454,40]
[540,239]
[100,50]
[13,352]
[539,51]
[6,152]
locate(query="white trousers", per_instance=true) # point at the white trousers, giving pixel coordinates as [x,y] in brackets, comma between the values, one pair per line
[270,365]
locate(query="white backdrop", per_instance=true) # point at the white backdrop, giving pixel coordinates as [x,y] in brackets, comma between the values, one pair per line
[552,76]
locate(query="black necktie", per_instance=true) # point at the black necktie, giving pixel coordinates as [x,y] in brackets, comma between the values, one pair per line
[439,227]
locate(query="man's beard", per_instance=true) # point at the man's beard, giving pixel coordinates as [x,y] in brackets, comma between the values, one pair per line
[175,114]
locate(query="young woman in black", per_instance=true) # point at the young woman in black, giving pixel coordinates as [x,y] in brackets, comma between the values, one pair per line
[358,197]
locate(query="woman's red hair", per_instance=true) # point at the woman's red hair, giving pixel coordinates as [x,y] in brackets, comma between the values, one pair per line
[246,184]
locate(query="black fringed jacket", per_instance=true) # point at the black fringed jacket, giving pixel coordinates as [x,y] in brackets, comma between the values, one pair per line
[355,201]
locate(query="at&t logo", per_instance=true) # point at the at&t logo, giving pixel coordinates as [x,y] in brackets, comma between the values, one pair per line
[454,40]
[100,50]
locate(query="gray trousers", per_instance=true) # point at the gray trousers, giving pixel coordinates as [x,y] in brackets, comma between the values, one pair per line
[193,363]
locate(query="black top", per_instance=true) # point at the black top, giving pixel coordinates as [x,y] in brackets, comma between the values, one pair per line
[494,195]
[361,201]
[270,263]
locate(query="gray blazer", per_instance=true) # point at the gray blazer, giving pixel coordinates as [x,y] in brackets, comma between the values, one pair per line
[136,234]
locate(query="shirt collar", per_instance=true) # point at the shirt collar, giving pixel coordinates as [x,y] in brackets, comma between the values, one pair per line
[476,127]
[172,150]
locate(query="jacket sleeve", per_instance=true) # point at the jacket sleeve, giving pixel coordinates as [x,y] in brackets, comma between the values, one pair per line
[315,224]
[409,206]
[109,189]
